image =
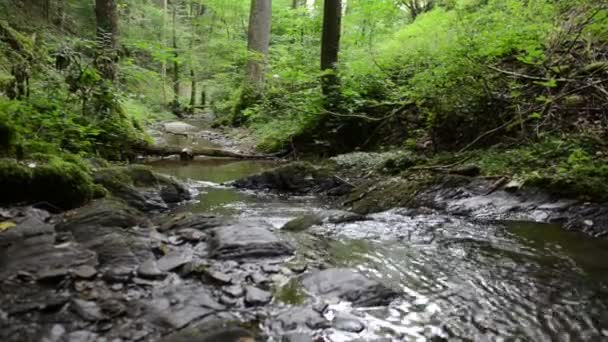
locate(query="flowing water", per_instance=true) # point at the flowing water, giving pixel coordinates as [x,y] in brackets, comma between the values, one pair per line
[461,279]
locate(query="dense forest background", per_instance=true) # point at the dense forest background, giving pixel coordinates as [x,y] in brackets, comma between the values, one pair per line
[525,80]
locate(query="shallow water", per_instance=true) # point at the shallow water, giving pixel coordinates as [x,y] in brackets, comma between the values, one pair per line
[461,279]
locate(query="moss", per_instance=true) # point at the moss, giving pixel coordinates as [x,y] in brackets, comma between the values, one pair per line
[61,183]
[290,293]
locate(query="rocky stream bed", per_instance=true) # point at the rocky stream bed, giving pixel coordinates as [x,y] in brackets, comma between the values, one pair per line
[301,256]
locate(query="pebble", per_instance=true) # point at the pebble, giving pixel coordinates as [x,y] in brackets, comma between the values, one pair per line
[348,323]
[149,269]
[234,290]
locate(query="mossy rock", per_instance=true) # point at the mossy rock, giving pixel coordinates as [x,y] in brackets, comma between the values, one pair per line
[60,183]
[371,197]
[297,178]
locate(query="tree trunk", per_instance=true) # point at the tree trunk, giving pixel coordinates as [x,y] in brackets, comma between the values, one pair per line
[295,4]
[106,13]
[176,84]
[330,47]
[163,39]
[192,89]
[258,41]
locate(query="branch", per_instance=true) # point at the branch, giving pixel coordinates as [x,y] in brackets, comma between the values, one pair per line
[535,78]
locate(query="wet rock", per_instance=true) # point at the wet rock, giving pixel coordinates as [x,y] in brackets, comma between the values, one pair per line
[191,234]
[29,248]
[299,267]
[298,178]
[349,323]
[234,290]
[301,318]
[243,240]
[89,311]
[271,268]
[106,213]
[212,332]
[118,275]
[177,306]
[54,334]
[142,188]
[256,297]
[258,278]
[182,221]
[82,336]
[84,272]
[217,277]
[52,275]
[227,300]
[297,337]
[348,285]
[330,216]
[150,270]
[174,260]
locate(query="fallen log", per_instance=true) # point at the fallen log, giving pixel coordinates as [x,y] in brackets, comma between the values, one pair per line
[193,152]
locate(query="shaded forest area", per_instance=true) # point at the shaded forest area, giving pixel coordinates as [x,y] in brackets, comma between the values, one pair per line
[519,87]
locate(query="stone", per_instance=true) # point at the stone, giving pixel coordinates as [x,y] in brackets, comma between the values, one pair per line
[297,337]
[227,300]
[298,178]
[234,290]
[181,221]
[347,322]
[149,270]
[191,234]
[256,297]
[84,272]
[349,285]
[245,240]
[52,275]
[217,277]
[177,306]
[178,127]
[297,318]
[174,260]
[330,216]
[118,275]
[271,268]
[89,311]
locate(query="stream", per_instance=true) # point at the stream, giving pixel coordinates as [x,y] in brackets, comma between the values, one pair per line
[458,278]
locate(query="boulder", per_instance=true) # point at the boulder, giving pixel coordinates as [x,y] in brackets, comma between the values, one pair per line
[298,178]
[349,285]
[243,240]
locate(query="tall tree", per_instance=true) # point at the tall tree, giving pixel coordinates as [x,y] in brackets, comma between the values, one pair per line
[330,47]
[258,41]
[106,13]
[176,83]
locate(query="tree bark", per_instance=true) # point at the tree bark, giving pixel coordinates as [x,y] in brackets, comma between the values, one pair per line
[258,41]
[176,85]
[163,39]
[106,13]
[295,4]
[330,46]
[192,89]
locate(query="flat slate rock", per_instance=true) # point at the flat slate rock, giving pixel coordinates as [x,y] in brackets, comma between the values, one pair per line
[244,241]
[177,306]
[174,260]
[149,270]
[349,285]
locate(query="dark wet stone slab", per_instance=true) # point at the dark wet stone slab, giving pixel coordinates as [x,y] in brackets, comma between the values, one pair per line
[213,332]
[84,272]
[245,240]
[107,213]
[349,285]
